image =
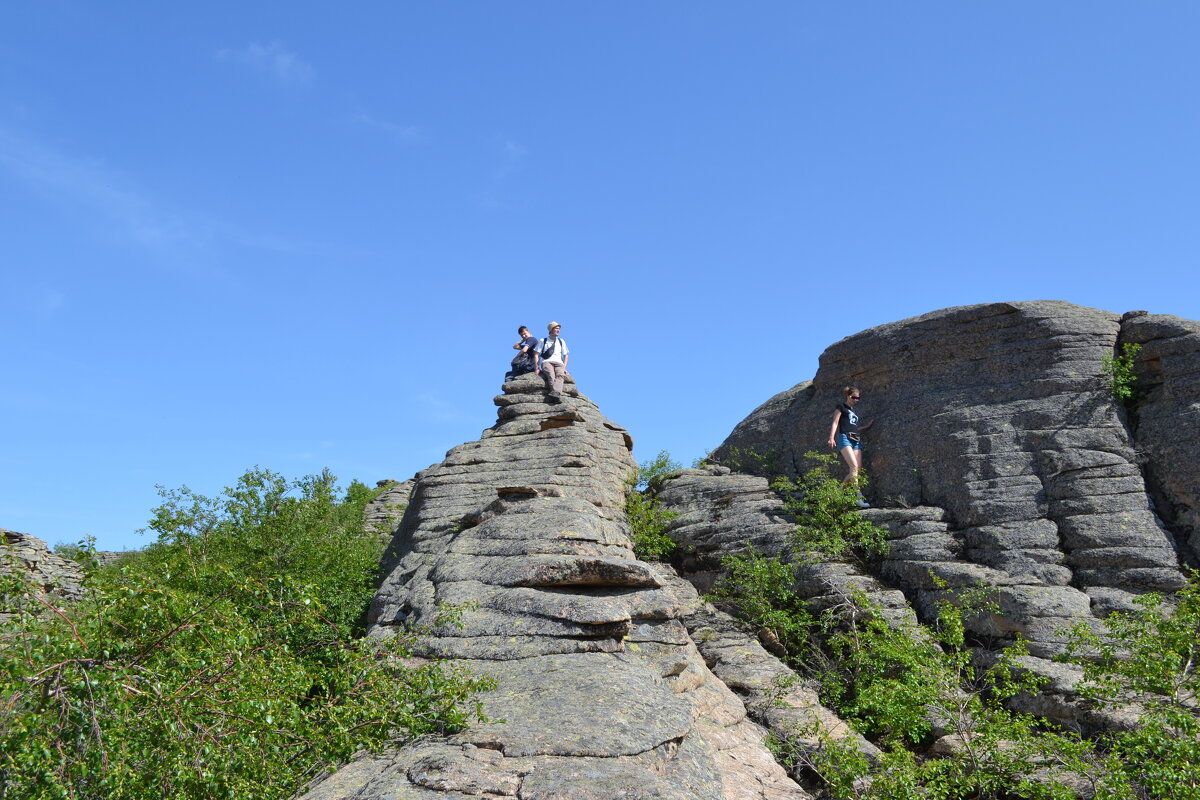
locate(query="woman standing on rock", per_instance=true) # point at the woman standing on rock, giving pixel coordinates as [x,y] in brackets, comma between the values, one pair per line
[523,361]
[845,436]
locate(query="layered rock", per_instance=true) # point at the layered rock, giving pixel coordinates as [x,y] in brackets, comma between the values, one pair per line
[994,420]
[1167,415]
[720,513]
[601,692]
[49,575]
[383,514]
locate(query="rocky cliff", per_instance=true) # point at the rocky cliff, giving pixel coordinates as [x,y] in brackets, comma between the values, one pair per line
[602,689]
[999,457]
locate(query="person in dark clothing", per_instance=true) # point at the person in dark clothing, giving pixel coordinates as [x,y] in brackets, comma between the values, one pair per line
[845,436]
[523,361]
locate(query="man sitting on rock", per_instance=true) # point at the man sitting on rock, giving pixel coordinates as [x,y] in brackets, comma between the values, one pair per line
[550,361]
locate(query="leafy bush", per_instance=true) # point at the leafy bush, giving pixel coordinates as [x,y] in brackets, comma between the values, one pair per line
[763,589]
[826,511]
[647,520]
[655,468]
[214,665]
[901,685]
[893,683]
[749,461]
[1119,375]
[267,526]
[1149,661]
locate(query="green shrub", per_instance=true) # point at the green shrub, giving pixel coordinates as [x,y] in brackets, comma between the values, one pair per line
[653,469]
[1150,660]
[213,666]
[648,523]
[893,682]
[1119,375]
[763,589]
[750,461]
[267,526]
[647,520]
[826,510]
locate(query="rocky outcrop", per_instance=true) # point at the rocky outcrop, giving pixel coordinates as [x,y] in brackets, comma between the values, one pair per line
[999,459]
[994,425]
[1167,414]
[383,514]
[49,575]
[602,693]
[720,513]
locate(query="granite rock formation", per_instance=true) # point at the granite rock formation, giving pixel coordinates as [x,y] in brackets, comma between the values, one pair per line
[383,514]
[1000,458]
[50,575]
[1165,419]
[602,692]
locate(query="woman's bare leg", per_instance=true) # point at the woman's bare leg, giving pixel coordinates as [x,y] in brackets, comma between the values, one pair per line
[853,459]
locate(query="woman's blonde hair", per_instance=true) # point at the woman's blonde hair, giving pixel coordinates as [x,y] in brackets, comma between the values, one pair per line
[849,390]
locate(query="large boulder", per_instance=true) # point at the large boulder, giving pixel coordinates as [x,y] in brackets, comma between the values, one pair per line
[601,692]
[997,419]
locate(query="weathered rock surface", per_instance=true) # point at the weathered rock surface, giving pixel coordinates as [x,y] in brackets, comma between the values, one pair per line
[49,574]
[999,459]
[1167,415]
[601,691]
[993,422]
[720,513]
[383,514]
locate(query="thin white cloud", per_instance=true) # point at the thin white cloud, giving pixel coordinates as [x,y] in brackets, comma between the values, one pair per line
[272,60]
[90,184]
[513,156]
[403,133]
[514,159]
[50,302]
[101,194]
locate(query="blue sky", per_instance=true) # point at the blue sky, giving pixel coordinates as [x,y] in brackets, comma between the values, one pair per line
[302,236]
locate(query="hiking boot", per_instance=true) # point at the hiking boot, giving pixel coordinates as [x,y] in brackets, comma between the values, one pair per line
[861,503]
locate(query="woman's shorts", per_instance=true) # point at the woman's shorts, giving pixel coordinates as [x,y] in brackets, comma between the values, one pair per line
[844,441]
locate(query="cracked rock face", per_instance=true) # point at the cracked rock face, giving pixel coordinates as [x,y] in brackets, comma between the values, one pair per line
[1167,416]
[601,692]
[49,574]
[994,425]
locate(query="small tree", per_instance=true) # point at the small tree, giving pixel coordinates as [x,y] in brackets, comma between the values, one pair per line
[218,663]
[1149,662]
[828,522]
[647,520]
[1119,375]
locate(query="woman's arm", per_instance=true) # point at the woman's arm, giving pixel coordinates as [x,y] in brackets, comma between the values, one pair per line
[837,416]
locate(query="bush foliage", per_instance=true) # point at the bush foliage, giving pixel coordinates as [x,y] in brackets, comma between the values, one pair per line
[1119,375]
[905,686]
[218,663]
[647,519]
[826,510]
